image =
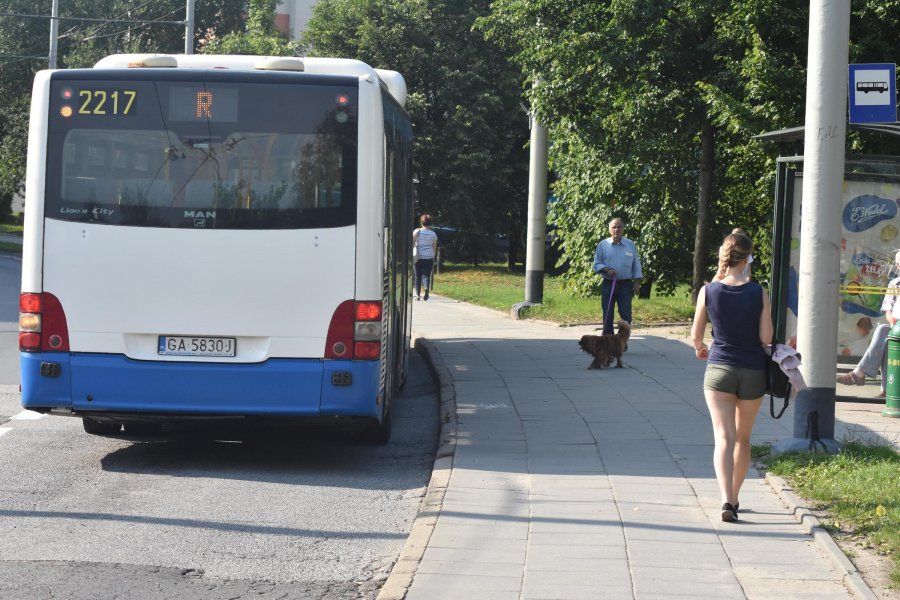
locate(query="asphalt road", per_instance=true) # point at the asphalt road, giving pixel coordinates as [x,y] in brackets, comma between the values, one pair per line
[296,513]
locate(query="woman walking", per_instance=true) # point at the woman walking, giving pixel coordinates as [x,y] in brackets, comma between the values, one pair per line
[425,244]
[735,379]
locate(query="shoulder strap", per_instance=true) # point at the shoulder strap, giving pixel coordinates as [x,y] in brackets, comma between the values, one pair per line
[772,407]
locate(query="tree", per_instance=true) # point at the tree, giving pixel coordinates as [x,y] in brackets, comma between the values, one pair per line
[653,104]
[259,37]
[464,101]
[19,37]
[14,125]
[622,86]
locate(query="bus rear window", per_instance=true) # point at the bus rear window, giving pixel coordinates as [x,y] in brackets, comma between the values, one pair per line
[231,155]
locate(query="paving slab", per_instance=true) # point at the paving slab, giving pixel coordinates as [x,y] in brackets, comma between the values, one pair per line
[575,483]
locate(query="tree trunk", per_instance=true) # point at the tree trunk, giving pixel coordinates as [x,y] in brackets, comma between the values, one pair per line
[646,288]
[704,206]
[512,256]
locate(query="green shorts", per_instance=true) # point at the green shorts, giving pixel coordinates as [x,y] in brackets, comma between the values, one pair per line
[746,384]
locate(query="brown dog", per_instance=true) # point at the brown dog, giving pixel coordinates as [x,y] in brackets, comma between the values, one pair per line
[604,348]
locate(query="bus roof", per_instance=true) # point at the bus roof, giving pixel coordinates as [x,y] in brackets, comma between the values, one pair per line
[392,80]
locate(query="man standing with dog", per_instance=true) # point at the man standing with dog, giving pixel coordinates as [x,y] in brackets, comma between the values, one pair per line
[617,261]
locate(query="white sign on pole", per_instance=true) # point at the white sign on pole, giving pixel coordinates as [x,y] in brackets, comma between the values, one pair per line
[873,93]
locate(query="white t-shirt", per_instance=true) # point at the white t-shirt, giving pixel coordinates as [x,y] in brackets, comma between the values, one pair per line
[426,240]
[890,304]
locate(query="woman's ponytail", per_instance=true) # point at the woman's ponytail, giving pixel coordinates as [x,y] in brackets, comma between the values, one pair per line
[735,248]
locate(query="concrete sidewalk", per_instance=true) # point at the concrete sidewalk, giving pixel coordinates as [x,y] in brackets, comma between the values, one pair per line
[563,482]
[11,239]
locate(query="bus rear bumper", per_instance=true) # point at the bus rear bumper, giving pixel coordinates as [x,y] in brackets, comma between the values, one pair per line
[108,383]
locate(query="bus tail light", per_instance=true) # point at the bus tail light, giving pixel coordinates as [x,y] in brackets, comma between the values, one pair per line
[42,324]
[367,350]
[368,311]
[355,331]
[339,343]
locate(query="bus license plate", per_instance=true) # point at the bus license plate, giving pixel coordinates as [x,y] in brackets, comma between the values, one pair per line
[176,345]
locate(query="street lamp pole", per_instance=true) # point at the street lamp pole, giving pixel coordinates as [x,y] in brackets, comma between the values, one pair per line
[54,34]
[189,28]
[820,242]
[537,214]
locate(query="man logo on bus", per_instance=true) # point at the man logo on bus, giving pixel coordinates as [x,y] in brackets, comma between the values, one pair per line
[199,214]
[204,105]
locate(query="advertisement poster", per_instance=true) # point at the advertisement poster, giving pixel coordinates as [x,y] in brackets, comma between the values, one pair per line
[869,241]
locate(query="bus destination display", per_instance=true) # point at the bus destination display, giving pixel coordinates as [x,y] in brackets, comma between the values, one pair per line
[187,103]
[203,103]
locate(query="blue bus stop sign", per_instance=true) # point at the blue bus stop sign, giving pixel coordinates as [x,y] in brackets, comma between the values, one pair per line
[873,93]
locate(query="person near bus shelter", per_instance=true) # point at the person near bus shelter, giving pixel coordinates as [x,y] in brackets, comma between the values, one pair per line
[875,358]
[425,243]
[617,261]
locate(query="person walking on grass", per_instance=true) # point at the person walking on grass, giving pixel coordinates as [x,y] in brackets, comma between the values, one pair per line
[425,243]
[617,261]
[735,378]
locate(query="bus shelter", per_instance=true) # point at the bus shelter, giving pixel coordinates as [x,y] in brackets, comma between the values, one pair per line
[870,239]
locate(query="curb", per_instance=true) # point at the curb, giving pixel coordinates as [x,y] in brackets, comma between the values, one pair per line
[852,579]
[401,576]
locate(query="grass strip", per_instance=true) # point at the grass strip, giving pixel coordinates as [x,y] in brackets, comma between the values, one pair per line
[11,228]
[494,287]
[10,248]
[859,488]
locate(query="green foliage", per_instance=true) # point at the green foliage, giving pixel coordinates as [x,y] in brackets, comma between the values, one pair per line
[82,44]
[259,38]
[627,87]
[14,125]
[464,101]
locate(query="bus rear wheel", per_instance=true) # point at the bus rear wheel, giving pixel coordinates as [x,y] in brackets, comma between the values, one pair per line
[95,427]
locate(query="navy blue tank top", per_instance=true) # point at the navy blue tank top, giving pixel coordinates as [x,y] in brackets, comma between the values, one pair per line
[734,311]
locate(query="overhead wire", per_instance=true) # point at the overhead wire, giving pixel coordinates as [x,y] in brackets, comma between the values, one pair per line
[142,23]
[145,24]
[94,31]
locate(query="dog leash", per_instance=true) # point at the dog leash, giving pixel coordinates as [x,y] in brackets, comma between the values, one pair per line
[612,295]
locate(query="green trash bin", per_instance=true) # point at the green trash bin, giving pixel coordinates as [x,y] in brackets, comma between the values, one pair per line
[892,377]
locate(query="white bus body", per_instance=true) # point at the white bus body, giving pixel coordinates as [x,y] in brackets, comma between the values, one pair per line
[216,236]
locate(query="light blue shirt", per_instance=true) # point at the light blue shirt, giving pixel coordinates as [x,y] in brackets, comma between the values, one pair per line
[425,240]
[622,257]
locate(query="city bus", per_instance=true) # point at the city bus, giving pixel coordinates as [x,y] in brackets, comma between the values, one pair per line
[217,237]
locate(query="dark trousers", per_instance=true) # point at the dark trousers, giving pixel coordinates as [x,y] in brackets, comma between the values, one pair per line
[621,297]
[423,273]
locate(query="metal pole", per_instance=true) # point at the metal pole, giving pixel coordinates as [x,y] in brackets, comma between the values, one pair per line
[820,242]
[537,215]
[54,34]
[189,28]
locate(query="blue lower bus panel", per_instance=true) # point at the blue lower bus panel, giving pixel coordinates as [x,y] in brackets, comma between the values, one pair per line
[115,383]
